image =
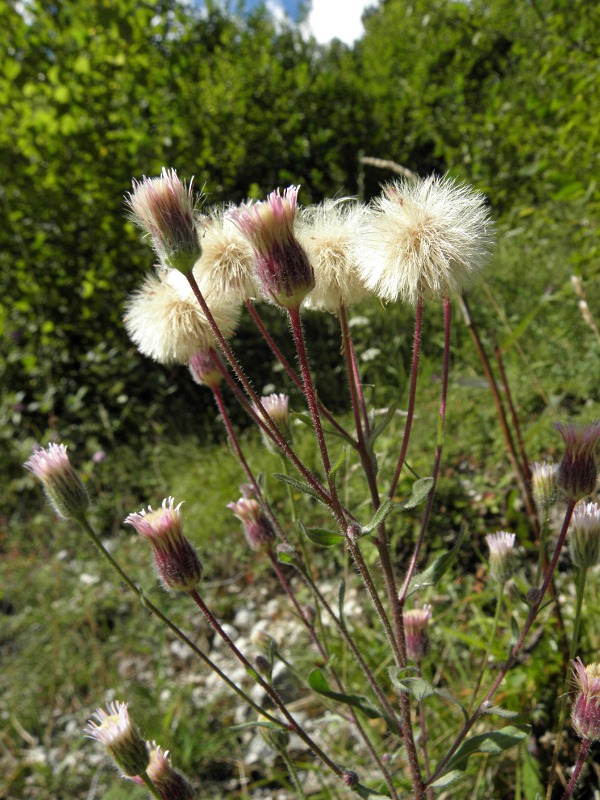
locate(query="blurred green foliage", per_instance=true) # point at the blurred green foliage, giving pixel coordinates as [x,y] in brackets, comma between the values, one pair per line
[498,92]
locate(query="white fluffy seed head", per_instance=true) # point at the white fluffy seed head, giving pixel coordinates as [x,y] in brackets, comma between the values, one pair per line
[227,263]
[426,239]
[166,323]
[330,233]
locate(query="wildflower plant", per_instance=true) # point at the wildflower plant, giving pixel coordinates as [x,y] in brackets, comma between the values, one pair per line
[420,241]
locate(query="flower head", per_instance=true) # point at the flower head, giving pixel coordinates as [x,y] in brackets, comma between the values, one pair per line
[61,483]
[165,210]
[578,471]
[276,406]
[585,715]
[170,784]
[427,239]
[115,730]
[501,546]
[584,535]
[416,621]
[204,370]
[176,561]
[227,261]
[166,323]
[543,482]
[330,234]
[281,262]
[258,529]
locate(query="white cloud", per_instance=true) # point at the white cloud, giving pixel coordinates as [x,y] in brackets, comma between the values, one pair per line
[337,19]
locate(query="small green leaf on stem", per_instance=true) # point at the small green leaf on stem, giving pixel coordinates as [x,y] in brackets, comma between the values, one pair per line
[338,463]
[434,572]
[302,487]
[321,536]
[491,743]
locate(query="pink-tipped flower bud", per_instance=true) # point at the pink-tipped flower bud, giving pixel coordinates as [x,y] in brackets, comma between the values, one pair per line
[501,546]
[282,264]
[350,778]
[585,716]
[578,472]
[276,406]
[544,477]
[416,622]
[62,485]
[204,370]
[165,210]
[258,529]
[584,535]
[170,784]
[115,730]
[264,642]
[176,562]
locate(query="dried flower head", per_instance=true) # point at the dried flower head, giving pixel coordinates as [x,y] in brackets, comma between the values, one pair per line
[115,730]
[330,234]
[166,323]
[585,715]
[282,265]
[584,535]
[176,562]
[164,208]
[204,370]
[578,471]
[170,784]
[501,547]
[62,485]
[416,621]
[227,263]
[427,239]
[544,477]
[257,528]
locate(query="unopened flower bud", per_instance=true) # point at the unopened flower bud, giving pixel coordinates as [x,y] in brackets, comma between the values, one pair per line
[543,482]
[264,642]
[204,370]
[584,535]
[416,621]
[61,483]
[501,546]
[264,666]
[165,210]
[578,472]
[350,778]
[257,528]
[176,561]
[585,715]
[282,264]
[276,406]
[170,784]
[120,737]
[310,614]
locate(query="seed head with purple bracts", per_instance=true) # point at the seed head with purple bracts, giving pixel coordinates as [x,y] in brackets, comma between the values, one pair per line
[282,264]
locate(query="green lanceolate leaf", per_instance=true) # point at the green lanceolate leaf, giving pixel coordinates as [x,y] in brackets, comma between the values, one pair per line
[418,687]
[492,743]
[379,516]
[321,536]
[318,682]
[448,778]
[302,487]
[338,463]
[382,424]
[418,492]
[434,571]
